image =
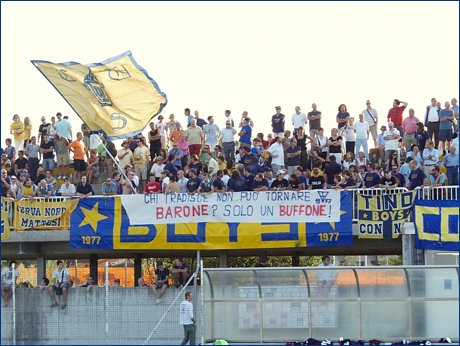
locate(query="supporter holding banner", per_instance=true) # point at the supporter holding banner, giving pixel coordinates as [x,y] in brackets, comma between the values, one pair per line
[39,214]
[106,95]
[6,205]
[383,216]
[239,220]
[436,225]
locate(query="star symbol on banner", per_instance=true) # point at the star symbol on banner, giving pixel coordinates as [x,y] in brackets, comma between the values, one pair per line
[365,215]
[92,217]
[333,223]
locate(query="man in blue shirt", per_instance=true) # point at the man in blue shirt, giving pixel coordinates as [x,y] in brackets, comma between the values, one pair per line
[400,179]
[293,156]
[455,109]
[245,133]
[446,116]
[218,184]
[278,123]
[372,179]
[417,176]
[193,182]
[260,183]
[451,163]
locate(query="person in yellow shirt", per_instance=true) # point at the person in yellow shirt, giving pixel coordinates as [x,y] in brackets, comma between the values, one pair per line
[140,159]
[27,131]
[17,129]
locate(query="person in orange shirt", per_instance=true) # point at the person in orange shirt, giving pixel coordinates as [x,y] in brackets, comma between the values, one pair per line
[175,135]
[79,149]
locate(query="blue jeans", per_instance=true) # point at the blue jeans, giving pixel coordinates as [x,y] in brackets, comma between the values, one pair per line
[48,165]
[363,142]
[452,175]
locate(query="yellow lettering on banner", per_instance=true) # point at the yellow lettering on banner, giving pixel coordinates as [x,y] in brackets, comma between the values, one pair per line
[445,235]
[419,212]
[138,230]
[370,230]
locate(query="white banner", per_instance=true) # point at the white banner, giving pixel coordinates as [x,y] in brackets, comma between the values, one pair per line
[248,206]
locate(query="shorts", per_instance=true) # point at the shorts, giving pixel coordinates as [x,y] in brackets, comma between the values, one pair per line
[373,131]
[141,172]
[161,285]
[59,290]
[7,287]
[63,159]
[79,165]
[445,135]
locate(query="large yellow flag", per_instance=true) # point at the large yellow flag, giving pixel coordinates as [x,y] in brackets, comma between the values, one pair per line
[116,95]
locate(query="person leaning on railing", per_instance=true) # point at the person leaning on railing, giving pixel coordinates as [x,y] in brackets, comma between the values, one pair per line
[67,189]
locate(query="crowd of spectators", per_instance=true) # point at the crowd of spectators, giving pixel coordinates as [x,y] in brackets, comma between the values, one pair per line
[199,157]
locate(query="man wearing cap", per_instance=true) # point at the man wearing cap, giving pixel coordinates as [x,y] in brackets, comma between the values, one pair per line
[194,135]
[161,126]
[161,281]
[278,123]
[279,184]
[193,182]
[32,151]
[276,152]
[298,119]
[210,132]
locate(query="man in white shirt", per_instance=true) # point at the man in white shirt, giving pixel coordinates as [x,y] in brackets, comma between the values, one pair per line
[430,158]
[210,131]
[157,168]
[61,278]
[67,189]
[362,136]
[163,130]
[391,137]
[325,277]
[432,121]
[276,152]
[213,166]
[187,320]
[227,135]
[371,116]
[298,119]
[7,281]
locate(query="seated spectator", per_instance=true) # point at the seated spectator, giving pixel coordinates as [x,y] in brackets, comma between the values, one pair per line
[62,284]
[176,155]
[109,188]
[15,186]
[371,179]
[348,181]
[28,190]
[388,181]
[43,284]
[400,179]
[157,168]
[39,176]
[294,183]
[259,183]
[51,180]
[135,177]
[67,189]
[116,283]
[141,283]
[88,283]
[161,281]
[92,168]
[84,189]
[129,185]
[152,186]
[415,154]
[170,166]
[164,180]
[213,166]
[302,179]
[206,187]
[375,158]
[437,178]
[44,190]
[193,182]
[221,162]
[247,173]
[196,164]
[280,184]
[417,178]
[174,186]
[317,181]
[338,180]
[218,183]
[236,183]
[180,272]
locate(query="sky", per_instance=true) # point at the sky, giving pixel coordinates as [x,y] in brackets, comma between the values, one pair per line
[242,56]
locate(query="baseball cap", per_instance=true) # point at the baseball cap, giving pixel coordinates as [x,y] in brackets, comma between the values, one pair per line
[383,127]
[13,177]
[193,170]
[160,158]
[278,107]
[281,171]
[166,172]
[24,174]
[177,123]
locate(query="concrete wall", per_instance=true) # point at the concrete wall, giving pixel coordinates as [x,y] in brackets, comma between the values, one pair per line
[131,314]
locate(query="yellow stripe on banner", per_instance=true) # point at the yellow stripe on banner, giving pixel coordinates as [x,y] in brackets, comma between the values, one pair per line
[419,213]
[445,235]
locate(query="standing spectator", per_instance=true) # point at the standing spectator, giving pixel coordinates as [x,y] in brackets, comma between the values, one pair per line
[140,159]
[125,156]
[371,117]
[342,118]
[42,129]
[17,129]
[183,145]
[194,135]
[84,189]
[129,185]
[320,144]
[334,144]
[171,124]
[32,151]
[64,127]
[227,135]
[451,164]
[432,121]
[67,189]
[421,136]
[187,320]
[228,117]
[350,136]
[27,131]
[362,136]
[161,281]
[189,116]
[61,278]
[175,133]
[409,126]
[160,125]
[430,157]
[455,109]
[51,130]
[47,151]
[314,117]
[199,122]
[244,116]
[446,116]
[391,137]
[10,151]
[417,177]
[395,115]
[8,276]
[62,155]
[245,133]
[177,155]
[79,165]
[210,132]
[286,142]
[86,137]
[293,156]
[180,272]
[111,154]
[276,152]
[298,119]
[278,122]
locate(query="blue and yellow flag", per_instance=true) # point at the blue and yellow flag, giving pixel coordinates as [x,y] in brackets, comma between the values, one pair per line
[115,95]
[383,216]
[5,228]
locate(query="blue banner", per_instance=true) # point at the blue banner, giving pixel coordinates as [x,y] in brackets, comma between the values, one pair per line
[436,224]
[107,223]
